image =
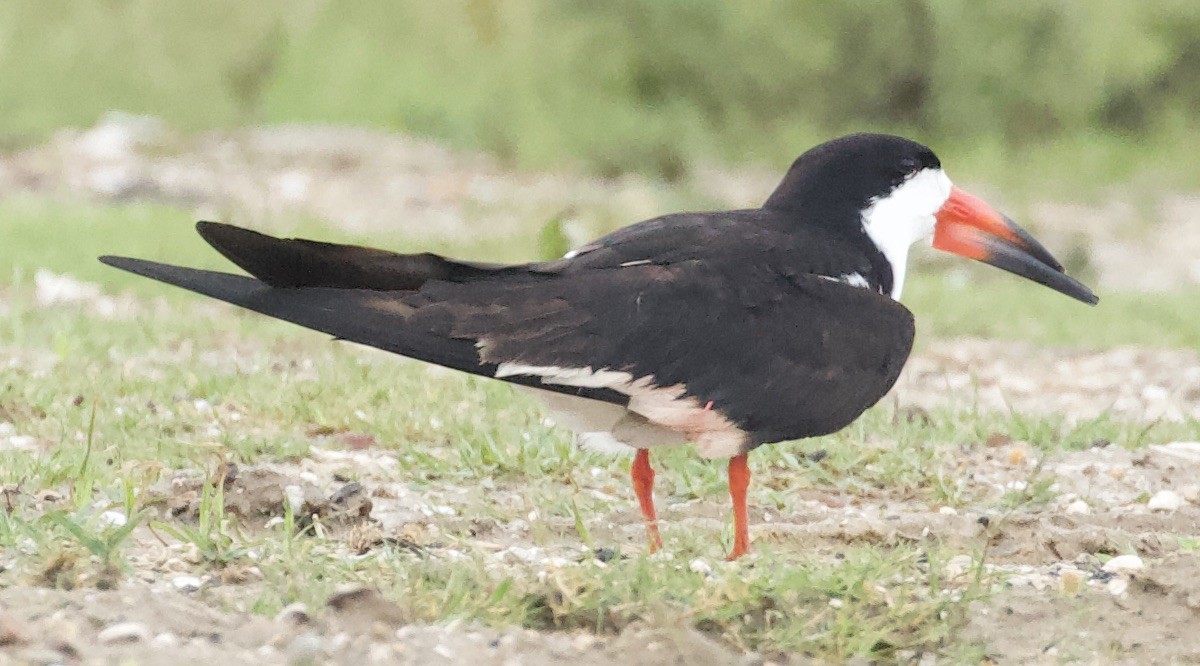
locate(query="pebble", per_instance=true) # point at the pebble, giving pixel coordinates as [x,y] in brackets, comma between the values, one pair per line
[339,641]
[39,656]
[1191,492]
[958,565]
[1038,581]
[379,653]
[1187,451]
[295,497]
[12,630]
[583,642]
[294,614]
[605,554]
[114,518]
[1079,507]
[1155,393]
[124,632]
[1124,564]
[187,583]
[699,566]
[527,555]
[948,511]
[165,640]
[20,443]
[305,649]
[1117,586]
[1165,500]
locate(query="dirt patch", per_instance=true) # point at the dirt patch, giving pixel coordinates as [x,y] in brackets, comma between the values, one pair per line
[265,492]
[1154,621]
[358,180]
[147,624]
[1127,383]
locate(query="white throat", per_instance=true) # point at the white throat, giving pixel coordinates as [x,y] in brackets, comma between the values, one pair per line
[896,221]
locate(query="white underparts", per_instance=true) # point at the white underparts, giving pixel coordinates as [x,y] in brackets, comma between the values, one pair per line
[894,222]
[655,416]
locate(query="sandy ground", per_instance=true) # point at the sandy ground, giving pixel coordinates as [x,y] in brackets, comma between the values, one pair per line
[1064,600]
[1128,383]
[147,625]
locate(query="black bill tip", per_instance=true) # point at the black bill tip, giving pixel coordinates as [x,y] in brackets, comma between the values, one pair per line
[1031,265]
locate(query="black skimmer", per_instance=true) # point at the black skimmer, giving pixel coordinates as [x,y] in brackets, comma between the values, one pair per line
[728,330]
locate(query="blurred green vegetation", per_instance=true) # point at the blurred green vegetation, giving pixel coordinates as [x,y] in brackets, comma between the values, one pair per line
[1074,90]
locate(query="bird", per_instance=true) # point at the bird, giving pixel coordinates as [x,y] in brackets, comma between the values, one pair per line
[727,330]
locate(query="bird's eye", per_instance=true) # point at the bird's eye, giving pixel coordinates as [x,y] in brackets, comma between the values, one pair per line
[909,165]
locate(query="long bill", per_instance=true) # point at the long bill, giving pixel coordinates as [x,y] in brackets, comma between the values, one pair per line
[970,228]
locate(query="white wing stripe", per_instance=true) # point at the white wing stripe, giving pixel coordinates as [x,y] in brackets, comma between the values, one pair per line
[583,377]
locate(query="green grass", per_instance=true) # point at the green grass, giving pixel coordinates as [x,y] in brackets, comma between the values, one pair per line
[997,305]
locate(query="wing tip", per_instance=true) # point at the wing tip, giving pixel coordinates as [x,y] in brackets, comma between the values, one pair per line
[123,263]
[150,269]
[223,237]
[205,227]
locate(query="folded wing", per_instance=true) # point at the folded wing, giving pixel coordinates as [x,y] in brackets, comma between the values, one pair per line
[780,355]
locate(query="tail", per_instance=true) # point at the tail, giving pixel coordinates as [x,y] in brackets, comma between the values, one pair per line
[353,293]
[374,318]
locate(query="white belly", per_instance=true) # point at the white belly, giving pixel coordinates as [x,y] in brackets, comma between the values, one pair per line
[664,421]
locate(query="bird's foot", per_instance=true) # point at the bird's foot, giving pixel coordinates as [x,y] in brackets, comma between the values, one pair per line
[653,537]
[740,548]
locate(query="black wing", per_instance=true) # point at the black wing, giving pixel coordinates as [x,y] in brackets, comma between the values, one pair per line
[783,357]
[781,353]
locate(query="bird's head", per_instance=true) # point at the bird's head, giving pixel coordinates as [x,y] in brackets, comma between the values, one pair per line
[894,192]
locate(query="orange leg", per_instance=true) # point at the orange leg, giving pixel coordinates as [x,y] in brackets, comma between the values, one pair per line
[739,482]
[643,485]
